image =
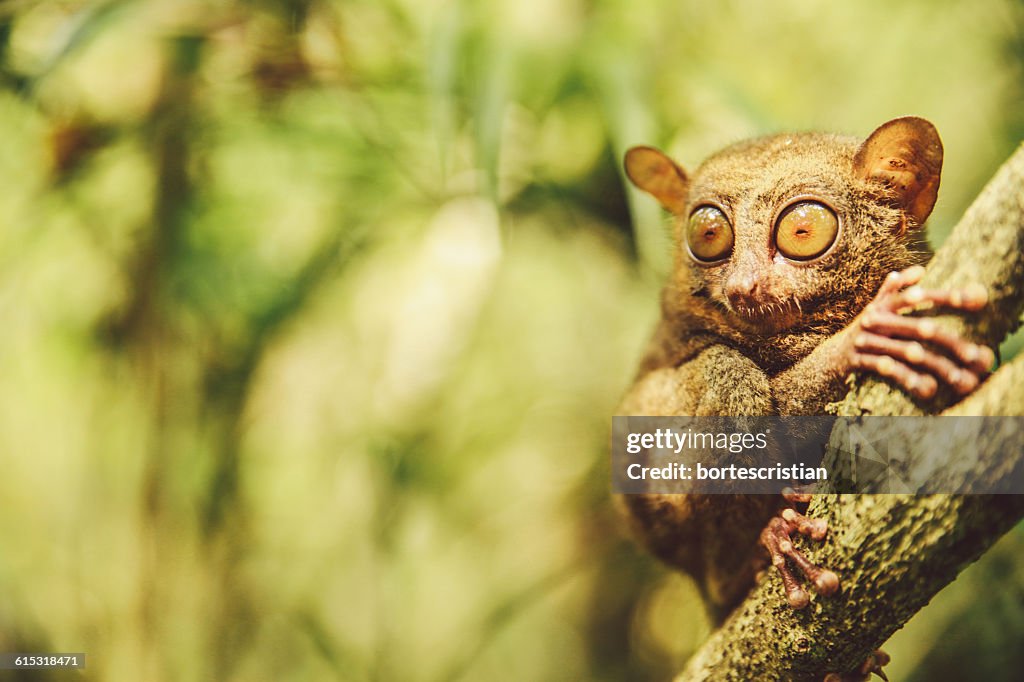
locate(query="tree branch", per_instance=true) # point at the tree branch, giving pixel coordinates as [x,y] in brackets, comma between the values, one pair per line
[895,552]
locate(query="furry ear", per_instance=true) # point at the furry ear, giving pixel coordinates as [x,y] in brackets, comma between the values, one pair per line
[904,154]
[655,173]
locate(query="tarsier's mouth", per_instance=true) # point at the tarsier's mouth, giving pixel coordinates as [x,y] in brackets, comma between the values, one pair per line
[772,314]
[767,309]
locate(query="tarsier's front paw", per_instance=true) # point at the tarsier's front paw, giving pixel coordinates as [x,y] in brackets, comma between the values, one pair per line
[890,344]
[776,538]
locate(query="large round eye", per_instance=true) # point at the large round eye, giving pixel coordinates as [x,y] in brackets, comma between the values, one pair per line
[709,234]
[806,230]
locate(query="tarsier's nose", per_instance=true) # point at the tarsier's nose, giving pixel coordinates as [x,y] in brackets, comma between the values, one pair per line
[742,291]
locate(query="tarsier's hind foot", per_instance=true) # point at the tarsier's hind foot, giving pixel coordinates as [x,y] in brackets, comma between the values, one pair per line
[777,539]
[914,352]
[873,665]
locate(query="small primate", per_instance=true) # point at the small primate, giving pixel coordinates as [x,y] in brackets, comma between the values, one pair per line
[796,259]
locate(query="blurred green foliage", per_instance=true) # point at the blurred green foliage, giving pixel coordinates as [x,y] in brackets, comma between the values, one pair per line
[314,313]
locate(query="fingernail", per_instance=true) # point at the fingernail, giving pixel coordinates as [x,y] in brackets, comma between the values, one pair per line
[976,295]
[914,294]
[972,353]
[886,365]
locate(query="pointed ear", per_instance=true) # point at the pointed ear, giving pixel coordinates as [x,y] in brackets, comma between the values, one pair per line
[659,176]
[905,154]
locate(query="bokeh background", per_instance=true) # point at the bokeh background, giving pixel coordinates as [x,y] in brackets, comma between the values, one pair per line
[313,316]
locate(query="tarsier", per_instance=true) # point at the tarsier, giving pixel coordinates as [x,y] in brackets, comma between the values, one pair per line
[797,257]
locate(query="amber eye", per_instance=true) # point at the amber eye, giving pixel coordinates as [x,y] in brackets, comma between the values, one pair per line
[806,230]
[709,234]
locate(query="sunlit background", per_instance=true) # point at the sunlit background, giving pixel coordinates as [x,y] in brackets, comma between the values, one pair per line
[313,316]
